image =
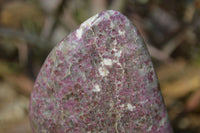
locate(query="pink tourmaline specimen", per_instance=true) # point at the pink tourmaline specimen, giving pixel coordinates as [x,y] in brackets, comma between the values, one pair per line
[99,79]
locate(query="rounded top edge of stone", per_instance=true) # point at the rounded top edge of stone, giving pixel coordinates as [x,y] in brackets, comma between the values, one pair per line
[95,19]
[111,12]
[98,19]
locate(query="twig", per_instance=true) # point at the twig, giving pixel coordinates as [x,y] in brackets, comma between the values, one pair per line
[153,51]
[57,15]
[172,44]
[158,54]
[31,38]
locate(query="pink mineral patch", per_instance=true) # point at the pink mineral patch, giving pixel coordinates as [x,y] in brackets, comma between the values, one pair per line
[99,79]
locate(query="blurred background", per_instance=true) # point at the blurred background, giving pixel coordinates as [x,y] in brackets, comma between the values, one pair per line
[29,29]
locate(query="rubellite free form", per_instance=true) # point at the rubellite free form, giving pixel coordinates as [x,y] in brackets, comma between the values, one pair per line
[99,79]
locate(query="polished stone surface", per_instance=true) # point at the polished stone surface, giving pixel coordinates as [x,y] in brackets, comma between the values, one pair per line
[99,79]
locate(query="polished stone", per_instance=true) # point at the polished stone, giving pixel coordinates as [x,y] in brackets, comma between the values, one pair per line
[99,79]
